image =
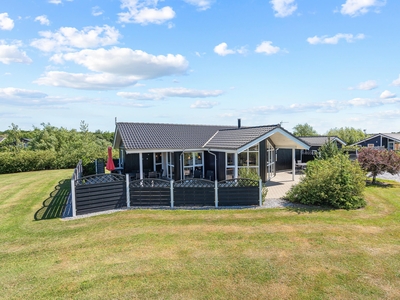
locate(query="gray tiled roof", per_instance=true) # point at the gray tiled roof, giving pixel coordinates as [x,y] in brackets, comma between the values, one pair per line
[318,140]
[237,137]
[166,136]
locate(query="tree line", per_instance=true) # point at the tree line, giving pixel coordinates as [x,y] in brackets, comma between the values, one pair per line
[349,135]
[50,147]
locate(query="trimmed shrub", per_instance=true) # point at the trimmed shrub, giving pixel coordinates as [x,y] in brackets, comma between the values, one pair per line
[336,182]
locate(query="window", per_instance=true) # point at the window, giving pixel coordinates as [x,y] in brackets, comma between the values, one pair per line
[249,159]
[170,165]
[193,164]
[158,161]
[230,165]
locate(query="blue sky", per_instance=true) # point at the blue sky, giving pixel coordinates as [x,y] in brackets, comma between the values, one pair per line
[326,63]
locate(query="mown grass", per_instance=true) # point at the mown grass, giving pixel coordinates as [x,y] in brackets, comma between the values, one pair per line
[187,254]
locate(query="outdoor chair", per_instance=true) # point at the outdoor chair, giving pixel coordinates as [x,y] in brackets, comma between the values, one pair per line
[210,175]
[197,174]
[152,175]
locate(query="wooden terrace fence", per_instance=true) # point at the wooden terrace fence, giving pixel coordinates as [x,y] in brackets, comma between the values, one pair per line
[103,192]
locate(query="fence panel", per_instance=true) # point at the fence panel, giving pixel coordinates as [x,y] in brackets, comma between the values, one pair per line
[100,193]
[194,192]
[150,192]
[240,191]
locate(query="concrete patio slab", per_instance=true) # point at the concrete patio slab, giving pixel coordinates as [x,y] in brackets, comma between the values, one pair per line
[280,184]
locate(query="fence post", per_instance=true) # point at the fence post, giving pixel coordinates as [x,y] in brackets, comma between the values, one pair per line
[73,198]
[216,193]
[260,189]
[172,193]
[128,193]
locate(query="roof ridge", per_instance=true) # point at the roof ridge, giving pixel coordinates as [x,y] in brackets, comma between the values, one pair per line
[249,127]
[175,124]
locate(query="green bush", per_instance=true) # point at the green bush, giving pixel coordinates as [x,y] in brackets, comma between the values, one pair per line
[253,175]
[24,161]
[336,182]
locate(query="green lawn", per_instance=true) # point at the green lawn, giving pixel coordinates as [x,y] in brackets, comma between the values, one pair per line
[183,254]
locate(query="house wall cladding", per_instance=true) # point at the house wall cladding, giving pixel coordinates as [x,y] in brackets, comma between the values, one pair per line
[100,193]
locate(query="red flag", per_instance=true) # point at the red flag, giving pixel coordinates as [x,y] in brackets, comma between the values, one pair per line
[110,163]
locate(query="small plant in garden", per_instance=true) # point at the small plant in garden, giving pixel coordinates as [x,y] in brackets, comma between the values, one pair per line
[378,161]
[327,150]
[336,182]
[253,175]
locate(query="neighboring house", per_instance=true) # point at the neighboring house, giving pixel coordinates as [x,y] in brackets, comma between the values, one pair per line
[284,160]
[390,141]
[2,138]
[180,151]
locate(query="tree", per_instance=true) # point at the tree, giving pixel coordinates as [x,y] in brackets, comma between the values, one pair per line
[304,130]
[378,161]
[327,150]
[349,135]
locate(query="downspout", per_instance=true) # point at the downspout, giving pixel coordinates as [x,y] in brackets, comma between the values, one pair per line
[215,165]
[215,179]
[181,163]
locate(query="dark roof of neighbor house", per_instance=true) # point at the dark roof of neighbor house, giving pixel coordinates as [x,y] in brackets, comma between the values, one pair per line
[318,141]
[392,136]
[165,136]
[237,137]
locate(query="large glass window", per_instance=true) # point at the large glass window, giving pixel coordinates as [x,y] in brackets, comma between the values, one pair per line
[270,160]
[193,165]
[170,165]
[249,159]
[230,165]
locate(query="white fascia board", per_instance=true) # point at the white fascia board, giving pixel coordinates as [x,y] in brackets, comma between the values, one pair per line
[116,137]
[300,144]
[339,140]
[132,151]
[220,150]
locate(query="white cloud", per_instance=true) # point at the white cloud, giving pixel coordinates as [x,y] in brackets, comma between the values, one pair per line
[101,81]
[396,82]
[359,7]
[144,12]
[387,94]
[162,93]
[139,96]
[58,1]
[335,39]
[203,104]
[10,92]
[283,8]
[68,38]
[222,50]
[329,106]
[267,48]
[128,62]
[5,22]
[96,11]
[187,93]
[201,4]
[366,85]
[12,54]
[42,20]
